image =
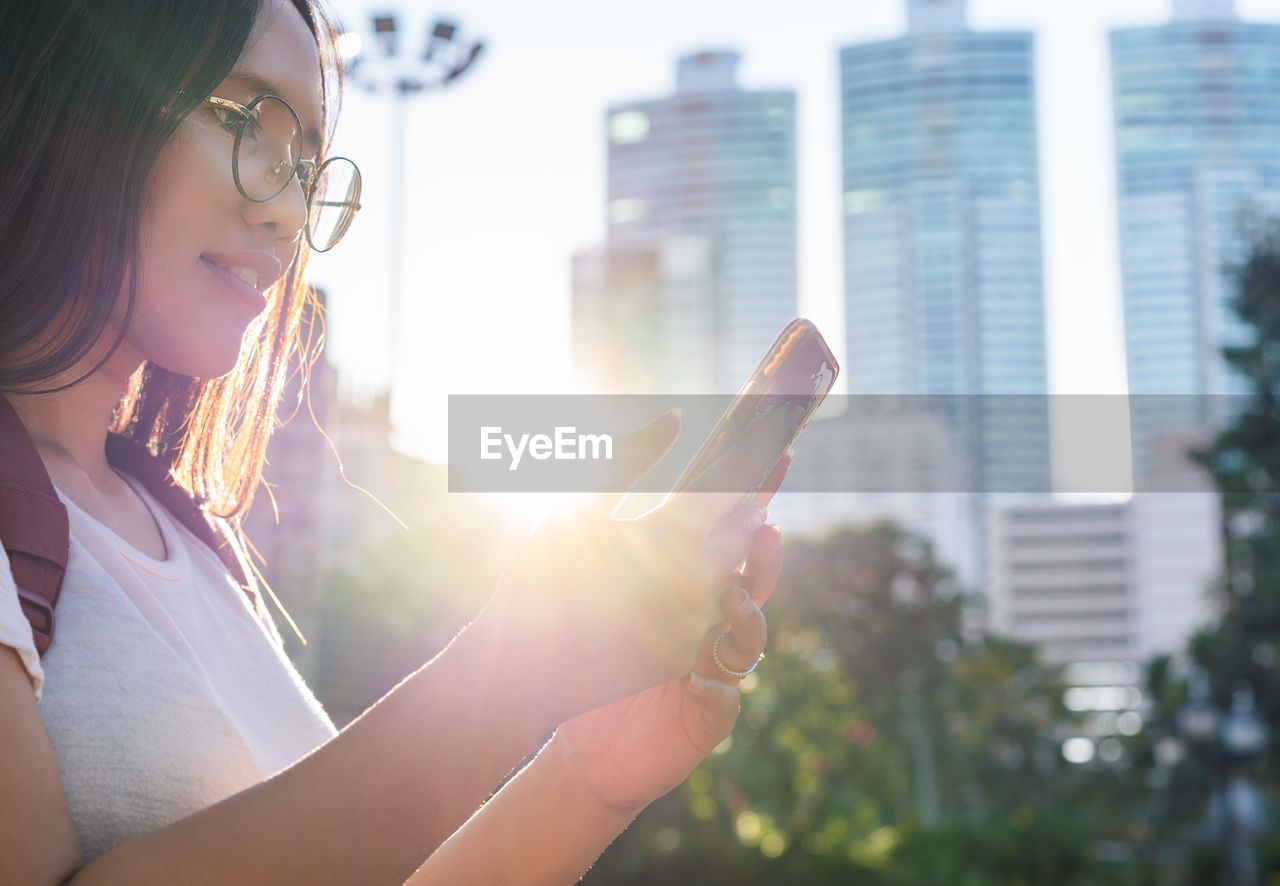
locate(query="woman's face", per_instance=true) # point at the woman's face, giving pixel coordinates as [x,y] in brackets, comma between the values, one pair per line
[190,317]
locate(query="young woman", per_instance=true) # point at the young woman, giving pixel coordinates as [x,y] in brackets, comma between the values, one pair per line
[159,165]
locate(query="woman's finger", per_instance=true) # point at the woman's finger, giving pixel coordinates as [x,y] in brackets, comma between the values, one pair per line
[697,513]
[729,543]
[765,495]
[739,467]
[748,631]
[764,563]
[729,536]
[634,454]
[747,622]
[717,489]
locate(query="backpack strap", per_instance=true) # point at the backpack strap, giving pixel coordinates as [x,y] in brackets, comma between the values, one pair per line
[34,526]
[36,531]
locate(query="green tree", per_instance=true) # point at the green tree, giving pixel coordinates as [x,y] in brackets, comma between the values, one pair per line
[1245,464]
[879,744]
[1241,647]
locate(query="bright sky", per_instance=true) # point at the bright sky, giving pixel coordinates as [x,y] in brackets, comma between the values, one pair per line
[506,180]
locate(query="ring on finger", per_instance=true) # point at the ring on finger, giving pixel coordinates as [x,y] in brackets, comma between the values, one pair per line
[724,668]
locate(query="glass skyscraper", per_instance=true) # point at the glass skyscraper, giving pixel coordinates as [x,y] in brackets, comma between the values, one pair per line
[1197,132]
[942,243]
[701,229]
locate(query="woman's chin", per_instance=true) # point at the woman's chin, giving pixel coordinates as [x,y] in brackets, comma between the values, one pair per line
[204,364]
[204,347]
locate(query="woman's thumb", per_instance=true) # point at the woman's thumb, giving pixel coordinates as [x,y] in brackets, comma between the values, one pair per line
[637,452]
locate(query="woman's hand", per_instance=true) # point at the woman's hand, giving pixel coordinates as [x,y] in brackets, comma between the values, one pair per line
[593,609]
[604,766]
[633,751]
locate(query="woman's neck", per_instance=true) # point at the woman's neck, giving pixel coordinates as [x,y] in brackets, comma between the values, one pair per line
[69,427]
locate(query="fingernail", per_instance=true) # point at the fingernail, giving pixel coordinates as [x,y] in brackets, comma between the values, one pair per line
[777,538]
[752,517]
[675,410]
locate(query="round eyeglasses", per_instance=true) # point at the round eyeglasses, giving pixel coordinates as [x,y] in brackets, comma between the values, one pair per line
[267,154]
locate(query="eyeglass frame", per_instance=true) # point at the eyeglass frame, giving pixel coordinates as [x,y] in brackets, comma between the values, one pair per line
[307,180]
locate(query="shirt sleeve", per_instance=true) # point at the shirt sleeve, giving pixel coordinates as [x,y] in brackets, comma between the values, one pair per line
[15,630]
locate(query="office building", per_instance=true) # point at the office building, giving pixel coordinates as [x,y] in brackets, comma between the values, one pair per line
[942,241]
[1197,120]
[701,232]
[1113,582]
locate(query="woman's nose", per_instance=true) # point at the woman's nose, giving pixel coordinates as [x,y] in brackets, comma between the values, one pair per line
[279,220]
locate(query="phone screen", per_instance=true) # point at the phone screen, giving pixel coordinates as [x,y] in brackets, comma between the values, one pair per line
[786,388]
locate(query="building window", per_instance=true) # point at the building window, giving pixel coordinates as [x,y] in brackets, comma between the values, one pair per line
[626,127]
[864,200]
[625,209]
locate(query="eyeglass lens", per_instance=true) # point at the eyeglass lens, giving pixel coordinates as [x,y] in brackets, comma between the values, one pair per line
[268,149]
[266,157]
[334,198]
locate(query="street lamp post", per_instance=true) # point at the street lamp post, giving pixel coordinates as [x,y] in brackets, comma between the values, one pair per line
[441,62]
[1244,735]
[1236,808]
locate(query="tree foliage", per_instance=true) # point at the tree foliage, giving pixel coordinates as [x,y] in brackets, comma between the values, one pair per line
[1245,464]
[878,744]
[1241,648]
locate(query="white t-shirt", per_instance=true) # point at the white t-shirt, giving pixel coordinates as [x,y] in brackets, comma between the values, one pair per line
[162,693]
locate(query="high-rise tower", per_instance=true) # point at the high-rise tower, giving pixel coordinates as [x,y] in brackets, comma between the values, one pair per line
[942,244]
[698,274]
[1197,122]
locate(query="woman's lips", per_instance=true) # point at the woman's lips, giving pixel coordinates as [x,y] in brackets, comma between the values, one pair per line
[247,293]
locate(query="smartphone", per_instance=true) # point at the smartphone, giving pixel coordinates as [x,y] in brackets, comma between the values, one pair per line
[798,369]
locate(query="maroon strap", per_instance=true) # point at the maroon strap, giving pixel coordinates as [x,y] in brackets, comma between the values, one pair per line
[33,526]
[36,532]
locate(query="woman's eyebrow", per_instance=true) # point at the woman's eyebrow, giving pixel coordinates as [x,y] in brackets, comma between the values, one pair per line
[262,86]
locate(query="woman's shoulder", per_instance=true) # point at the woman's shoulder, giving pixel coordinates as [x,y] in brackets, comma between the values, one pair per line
[15,629]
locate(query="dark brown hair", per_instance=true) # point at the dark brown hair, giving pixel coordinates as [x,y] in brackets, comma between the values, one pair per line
[90,92]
